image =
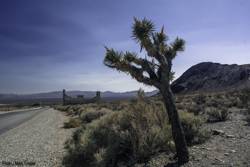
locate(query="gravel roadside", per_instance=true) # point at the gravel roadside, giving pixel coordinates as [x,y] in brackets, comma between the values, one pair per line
[37,142]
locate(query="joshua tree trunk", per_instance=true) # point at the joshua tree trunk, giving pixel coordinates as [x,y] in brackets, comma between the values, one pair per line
[177,130]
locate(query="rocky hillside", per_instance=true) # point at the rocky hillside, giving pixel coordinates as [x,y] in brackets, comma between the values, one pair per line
[210,76]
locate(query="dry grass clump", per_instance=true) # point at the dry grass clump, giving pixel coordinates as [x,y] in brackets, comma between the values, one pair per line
[247,113]
[214,106]
[213,102]
[244,96]
[90,115]
[117,105]
[192,126]
[192,103]
[195,109]
[69,109]
[72,123]
[85,112]
[217,114]
[196,103]
[200,99]
[11,107]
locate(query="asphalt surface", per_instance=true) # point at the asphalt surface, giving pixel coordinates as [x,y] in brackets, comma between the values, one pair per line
[12,119]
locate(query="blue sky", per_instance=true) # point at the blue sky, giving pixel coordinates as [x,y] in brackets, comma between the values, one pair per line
[54,44]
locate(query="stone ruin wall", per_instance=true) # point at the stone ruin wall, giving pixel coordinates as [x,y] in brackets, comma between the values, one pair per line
[68,100]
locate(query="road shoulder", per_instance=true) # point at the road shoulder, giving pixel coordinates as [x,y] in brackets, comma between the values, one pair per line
[39,141]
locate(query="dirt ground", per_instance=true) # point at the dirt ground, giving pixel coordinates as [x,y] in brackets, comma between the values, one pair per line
[229,146]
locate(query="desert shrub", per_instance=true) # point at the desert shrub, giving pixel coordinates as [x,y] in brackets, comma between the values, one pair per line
[180,106]
[35,105]
[115,105]
[179,98]
[133,135]
[10,107]
[213,103]
[124,137]
[217,114]
[89,116]
[72,123]
[69,109]
[192,126]
[200,99]
[75,110]
[119,106]
[60,107]
[248,115]
[195,109]
[237,102]
[244,96]
[217,96]
[227,103]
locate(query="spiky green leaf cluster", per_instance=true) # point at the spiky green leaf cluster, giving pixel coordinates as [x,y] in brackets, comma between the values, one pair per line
[161,54]
[142,30]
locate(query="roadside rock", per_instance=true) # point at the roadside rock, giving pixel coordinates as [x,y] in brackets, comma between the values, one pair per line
[218,132]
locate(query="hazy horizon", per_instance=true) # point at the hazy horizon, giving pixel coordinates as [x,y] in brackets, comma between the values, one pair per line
[47,46]
[74,91]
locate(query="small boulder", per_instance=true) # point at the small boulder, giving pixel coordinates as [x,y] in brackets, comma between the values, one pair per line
[230,136]
[232,151]
[218,132]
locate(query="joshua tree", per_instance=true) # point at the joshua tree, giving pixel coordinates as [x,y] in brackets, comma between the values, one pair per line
[153,70]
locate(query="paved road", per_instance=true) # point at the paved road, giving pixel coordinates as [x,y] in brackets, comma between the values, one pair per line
[13,119]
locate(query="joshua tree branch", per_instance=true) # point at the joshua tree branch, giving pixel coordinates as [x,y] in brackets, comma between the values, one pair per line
[124,62]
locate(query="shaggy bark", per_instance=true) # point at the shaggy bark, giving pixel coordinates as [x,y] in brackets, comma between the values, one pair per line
[177,130]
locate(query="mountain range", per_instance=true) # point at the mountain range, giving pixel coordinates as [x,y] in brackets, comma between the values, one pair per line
[58,95]
[202,77]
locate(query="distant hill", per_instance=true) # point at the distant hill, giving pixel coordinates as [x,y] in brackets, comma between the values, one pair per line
[210,76]
[107,95]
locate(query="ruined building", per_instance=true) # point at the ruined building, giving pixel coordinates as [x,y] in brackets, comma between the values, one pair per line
[67,100]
